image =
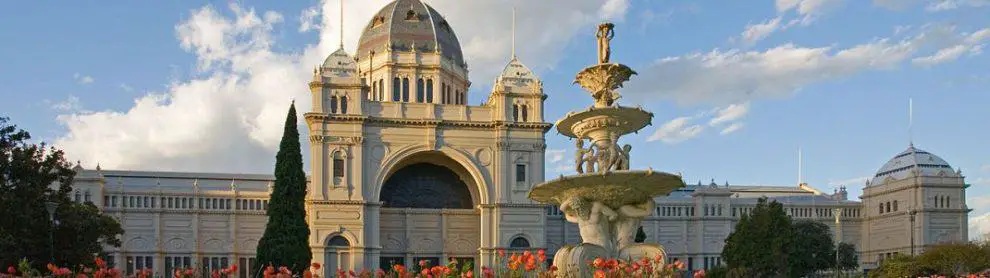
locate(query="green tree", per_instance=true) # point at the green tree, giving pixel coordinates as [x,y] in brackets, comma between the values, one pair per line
[897,266]
[847,257]
[812,248]
[761,242]
[30,175]
[954,259]
[640,235]
[285,242]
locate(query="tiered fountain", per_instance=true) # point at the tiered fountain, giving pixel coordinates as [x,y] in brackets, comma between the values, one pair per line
[606,199]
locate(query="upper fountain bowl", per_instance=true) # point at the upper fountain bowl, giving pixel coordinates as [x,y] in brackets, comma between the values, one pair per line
[603,122]
[615,189]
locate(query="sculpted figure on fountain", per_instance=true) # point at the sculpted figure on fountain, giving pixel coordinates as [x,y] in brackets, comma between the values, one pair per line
[630,217]
[594,220]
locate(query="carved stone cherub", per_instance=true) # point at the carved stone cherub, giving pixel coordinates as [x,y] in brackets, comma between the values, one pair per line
[579,156]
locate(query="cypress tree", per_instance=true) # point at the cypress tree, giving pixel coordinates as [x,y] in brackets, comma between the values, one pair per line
[286,238]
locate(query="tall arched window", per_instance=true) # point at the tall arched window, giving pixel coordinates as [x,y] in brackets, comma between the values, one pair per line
[420,94]
[946,201]
[525,113]
[333,105]
[86,197]
[881,208]
[405,89]
[429,90]
[443,93]
[381,90]
[895,205]
[343,105]
[515,112]
[457,94]
[338,168]
[519,242]
[888,207]
[78,197]
[373,91]
[396,89]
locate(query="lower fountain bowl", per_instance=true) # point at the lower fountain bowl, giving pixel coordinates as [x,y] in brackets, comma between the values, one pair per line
[614,189]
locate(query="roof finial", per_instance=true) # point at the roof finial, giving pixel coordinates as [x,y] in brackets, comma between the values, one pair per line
[911,122]
[341,24]
[513,33]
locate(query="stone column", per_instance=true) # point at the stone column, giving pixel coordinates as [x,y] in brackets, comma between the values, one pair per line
[372,236]
[488,241]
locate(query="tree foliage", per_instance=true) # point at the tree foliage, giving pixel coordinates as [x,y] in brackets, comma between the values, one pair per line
[949,259]
[847,256]
[31,175]
[761,242]
[286,238]
[768,243]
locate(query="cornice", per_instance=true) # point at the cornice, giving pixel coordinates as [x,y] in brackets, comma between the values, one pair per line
[315,117]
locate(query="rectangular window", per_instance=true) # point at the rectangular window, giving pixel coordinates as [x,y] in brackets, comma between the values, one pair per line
[152,202]
[113,201]
[520,173]
[130,201]
[106,201]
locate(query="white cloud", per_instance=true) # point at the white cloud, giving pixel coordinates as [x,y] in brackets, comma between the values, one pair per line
[307,19]
[83,79]
[730,113]
[772,73]
[979,226]
[555,155]
[70,104]
[676,131]
[944,5]
[614,9]
[229,116]
[957,46]
[125,87]
[756,32]
[731,128]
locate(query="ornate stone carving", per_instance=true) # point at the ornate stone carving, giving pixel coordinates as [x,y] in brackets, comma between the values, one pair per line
[337,140]
[605,35]
[602,80]
[484,156]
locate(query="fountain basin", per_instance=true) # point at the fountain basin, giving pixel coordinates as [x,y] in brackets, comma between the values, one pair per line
[603,122]
[614,189]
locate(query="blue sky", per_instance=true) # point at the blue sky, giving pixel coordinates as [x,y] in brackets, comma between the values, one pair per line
[737,87]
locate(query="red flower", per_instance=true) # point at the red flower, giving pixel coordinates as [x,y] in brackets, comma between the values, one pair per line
[352,273]
[307,274]
[699,274]
[100,263]
[189,271]
[541,252]
[599,274]
[598,263]
[316,266]
[215,274]
[501,252]
[11,270]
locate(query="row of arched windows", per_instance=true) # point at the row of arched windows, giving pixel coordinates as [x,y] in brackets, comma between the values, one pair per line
[941,201]
[887,207]
[338,105]
[423,91]
[520,112]
[79,198]
[674,211]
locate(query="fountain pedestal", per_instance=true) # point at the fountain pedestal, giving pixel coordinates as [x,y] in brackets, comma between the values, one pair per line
[606,199]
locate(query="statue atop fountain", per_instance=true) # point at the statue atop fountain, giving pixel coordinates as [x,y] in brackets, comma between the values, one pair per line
[606,198]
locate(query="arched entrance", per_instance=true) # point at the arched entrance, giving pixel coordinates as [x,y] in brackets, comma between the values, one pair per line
[337,255]
[427,212]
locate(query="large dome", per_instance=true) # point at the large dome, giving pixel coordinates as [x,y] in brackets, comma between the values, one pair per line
[926,163]
[405,24]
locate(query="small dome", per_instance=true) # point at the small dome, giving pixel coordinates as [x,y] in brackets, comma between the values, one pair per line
[339,63]
[517,72]
[406,25]
[903,163]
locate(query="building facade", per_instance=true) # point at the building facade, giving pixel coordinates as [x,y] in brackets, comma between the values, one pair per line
[404,169]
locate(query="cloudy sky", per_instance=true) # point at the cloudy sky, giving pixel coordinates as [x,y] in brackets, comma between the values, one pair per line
[737,87]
